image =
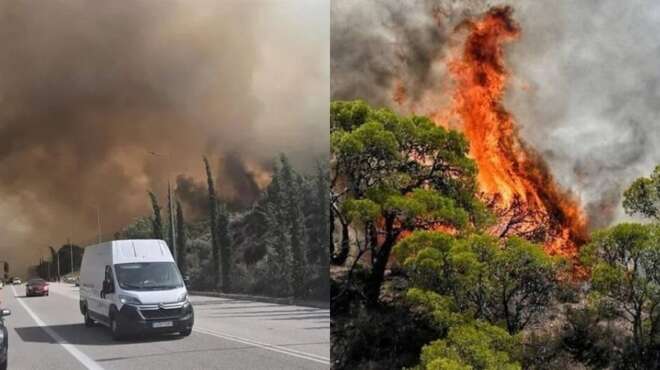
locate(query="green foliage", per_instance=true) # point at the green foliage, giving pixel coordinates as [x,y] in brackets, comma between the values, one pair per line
[181,239]
[292,221]
[379,148]
[171,222]
[441,309]
[626,278]
[643,196]
[425,207]
[200,264]
[224,241]
[284,236]
[213,218]
[476,345]
[393,174]
[362,210]
[512,283]
[141,228]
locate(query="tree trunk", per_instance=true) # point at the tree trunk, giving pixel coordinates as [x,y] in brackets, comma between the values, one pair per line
[637,336]
[345,246]
[332,235]
[380,262]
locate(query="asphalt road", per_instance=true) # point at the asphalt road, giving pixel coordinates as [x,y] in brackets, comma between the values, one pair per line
[48,333]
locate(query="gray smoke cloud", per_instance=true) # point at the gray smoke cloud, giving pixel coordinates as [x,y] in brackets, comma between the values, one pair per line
[102,101]
[584,86]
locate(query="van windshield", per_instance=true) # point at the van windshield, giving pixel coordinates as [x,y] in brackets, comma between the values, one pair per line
[148,276]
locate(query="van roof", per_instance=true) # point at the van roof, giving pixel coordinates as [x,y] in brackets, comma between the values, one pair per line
[137,250]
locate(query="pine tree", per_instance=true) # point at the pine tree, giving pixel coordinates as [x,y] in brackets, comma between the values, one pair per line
[224,240]
[213,217]
[181,239]
[156,221]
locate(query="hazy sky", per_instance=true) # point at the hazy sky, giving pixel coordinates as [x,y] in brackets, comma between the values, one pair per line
[88,89]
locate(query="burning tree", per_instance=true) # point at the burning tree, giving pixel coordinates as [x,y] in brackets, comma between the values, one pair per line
[513,179]
[396,174]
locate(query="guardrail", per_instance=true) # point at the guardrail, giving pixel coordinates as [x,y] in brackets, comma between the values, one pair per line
[281,300]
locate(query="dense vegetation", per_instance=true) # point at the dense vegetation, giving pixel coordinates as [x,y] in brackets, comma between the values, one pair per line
[276,247]
[418,283]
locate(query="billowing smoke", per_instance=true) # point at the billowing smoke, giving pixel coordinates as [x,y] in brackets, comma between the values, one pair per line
[584,87]
[246,181]
[102,101]
[375,46]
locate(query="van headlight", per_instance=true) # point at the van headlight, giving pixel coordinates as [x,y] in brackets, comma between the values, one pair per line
[127,299]
[184,298]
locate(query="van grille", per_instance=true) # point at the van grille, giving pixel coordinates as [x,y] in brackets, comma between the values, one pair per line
[163,313]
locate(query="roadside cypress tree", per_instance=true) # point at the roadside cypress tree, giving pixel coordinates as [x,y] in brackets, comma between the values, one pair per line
[293,223]
[53,255]
[181,239]
[224,241]
[277,233]
[156,221]
[213,217]
[170,230]
[322,225]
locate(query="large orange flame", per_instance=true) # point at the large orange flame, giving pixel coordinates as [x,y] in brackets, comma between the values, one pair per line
[510,173]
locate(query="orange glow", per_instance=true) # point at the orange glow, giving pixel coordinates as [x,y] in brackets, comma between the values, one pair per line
[510,173]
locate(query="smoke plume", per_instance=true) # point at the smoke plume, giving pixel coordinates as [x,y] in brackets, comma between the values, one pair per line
[584,85]
[102,101]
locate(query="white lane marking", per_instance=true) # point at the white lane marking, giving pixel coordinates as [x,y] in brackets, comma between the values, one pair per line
[270,347]
[81,357]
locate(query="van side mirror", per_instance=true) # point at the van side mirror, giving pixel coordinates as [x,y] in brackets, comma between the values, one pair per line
[186,280]
[108,287]
[5,312]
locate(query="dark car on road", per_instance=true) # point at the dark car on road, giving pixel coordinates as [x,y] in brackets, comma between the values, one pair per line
[3,339]
[36,287]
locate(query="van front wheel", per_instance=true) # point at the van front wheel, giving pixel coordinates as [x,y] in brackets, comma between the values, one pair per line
[116,330]
[88,320]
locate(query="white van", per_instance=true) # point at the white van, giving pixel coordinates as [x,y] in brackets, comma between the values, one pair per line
[134,287]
